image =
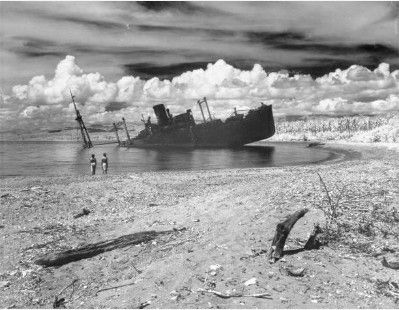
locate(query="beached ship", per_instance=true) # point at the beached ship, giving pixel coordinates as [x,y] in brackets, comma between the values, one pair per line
[182,131]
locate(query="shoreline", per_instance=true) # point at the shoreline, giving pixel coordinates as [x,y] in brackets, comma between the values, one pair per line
[229,214]
[335,155]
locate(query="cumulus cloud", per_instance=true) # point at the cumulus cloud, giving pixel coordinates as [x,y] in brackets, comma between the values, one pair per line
[46,101]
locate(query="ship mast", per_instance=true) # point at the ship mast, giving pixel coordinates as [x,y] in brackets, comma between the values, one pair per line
[83,130]
[200,102]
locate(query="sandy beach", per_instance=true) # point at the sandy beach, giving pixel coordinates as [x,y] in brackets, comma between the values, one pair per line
[230,217]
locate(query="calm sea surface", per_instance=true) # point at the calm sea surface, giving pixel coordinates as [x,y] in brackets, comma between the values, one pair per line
[67,158]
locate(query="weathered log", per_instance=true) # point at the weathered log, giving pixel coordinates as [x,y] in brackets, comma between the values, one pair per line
[282,231]
[94,249]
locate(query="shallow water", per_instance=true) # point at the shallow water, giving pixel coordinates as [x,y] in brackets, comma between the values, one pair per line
[67,158]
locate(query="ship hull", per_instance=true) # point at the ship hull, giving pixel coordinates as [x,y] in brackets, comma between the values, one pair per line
[257,125]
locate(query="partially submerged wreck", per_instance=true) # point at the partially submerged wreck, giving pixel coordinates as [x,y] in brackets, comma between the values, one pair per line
[182,131]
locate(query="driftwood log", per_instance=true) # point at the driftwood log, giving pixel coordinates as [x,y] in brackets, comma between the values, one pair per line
[282,231]
[94,249]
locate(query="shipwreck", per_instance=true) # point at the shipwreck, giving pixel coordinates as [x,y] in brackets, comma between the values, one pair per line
[182,130]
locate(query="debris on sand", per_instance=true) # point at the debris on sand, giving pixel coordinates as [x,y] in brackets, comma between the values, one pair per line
[231,295]
[144,304]
[117,286]
[214,269]
[59,303]
[391,264]
[4,284]
[296,272]
[83,213]
[252,281]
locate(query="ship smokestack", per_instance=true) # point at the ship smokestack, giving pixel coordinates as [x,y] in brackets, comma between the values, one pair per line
[161,114]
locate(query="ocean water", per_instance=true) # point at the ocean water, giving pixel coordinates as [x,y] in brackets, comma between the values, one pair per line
[68,158]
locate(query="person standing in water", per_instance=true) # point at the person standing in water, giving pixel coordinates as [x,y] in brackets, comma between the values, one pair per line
[93,164]
[104,162]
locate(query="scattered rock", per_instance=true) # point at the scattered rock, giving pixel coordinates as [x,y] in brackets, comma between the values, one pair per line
[6,195]
[296,272]
[4,284]
[252,281]
[83,213]
[36,188]
[391,264]
[215,267]
[271,274]
[144,304]
[26,272]
[175,295]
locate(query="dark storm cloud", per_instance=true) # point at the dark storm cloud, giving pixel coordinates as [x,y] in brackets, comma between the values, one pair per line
[166,5]
[186,30]
[34,42]
[121,51]
[297,41]
[115,106]
[100,24]
[149,70]
[371,49]
[33,54]
[273,38]
[32,47]
[369,55]
[177,6]
[319,67]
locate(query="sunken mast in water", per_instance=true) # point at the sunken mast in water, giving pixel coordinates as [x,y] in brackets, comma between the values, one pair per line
[182,131]
[83,130]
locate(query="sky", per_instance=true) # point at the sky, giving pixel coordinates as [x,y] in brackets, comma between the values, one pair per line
[120,58]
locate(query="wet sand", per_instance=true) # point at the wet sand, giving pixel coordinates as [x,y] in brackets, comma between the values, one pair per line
[230,215]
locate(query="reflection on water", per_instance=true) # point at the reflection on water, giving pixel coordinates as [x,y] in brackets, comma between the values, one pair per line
[60,158]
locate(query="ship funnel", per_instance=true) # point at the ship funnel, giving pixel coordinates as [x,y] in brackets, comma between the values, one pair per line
[161,114]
